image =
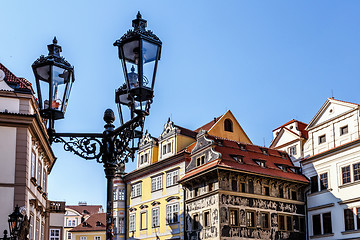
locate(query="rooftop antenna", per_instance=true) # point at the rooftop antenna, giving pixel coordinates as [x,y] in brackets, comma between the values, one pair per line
[264,141]
[332,93]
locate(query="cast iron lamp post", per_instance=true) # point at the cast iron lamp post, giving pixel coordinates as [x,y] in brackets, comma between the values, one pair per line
[139,52]
[15,221]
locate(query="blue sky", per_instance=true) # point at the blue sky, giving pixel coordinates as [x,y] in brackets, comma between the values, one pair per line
[266,61]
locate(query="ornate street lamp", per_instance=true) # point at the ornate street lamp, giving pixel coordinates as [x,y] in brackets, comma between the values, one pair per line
[15,220]
[139,51]
[54,77]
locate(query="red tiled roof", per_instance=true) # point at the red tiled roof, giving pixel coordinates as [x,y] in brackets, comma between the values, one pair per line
[187,132]
[86,209]
[96,222]
[208,126]
[229,148]
[20,83]
[301,127]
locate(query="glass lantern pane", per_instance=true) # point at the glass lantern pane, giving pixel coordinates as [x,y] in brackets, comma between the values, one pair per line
[60,78]
[67,94]
[131,51]
[132,74]
[43,72]
[150,52]
[44,100]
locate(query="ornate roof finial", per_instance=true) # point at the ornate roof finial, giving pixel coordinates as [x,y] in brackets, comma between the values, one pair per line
[54,49]
[139,23]
[169,120]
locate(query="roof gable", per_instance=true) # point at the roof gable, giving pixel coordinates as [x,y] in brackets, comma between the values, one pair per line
[331,109]
[217,128]
[284,136]
[17,83]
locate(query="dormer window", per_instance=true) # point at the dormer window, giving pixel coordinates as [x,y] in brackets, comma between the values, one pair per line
[228,125]
[200,160]
[166,148]
[322,139]
[237,158]
[261,163]
[242,146]
[264,151]
[98,224]
[344,130]
[144,158]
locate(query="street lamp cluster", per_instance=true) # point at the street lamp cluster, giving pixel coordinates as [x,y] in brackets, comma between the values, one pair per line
[139,51]
[16,225]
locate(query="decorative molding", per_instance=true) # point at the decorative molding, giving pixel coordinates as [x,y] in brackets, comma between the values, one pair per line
[143,206]
[155,203]
[132,209]
[321,207]
[357,199]
[172,198]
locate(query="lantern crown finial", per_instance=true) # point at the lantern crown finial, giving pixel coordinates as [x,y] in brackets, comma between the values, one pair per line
[139,23]
[54,49]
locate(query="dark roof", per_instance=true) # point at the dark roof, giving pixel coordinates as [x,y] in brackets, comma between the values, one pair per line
[86,209]
[209,125]
[273,158]
[96,222]
[186,132]
[17,83]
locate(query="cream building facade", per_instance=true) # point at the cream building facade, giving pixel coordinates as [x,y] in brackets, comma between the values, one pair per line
[26,155]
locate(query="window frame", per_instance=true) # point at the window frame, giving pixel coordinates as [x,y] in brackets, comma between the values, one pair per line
[236,217]
[157,183]
[155,218]
[54,237]
[247,213]
[348,174]
[207,219]
[322,139]
[262,220]
[171,176]
[292,150]
[142,226]
[171,213]
[135,190]
[342,130]
[132,222]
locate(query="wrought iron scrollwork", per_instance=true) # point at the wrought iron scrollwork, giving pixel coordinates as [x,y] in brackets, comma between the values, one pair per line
[88,148]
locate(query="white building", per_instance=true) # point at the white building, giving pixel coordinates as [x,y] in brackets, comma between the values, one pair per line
[332,163]
[26,157]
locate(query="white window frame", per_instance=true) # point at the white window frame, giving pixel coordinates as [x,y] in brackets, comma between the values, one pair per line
[172,177]
[293,150]
[69,235]
[156,183]
[121,194]
[132,222]
[53,235]
[136,190]
[155,217]
[39,173]
[83,238]
[33,164]
[172,210]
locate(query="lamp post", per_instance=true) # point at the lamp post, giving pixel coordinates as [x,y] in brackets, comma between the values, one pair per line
[15,220]
[139,52]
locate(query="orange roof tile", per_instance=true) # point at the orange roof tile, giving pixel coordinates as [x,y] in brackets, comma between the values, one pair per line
[18,83]
[96,222]
[86,209]
[208,126]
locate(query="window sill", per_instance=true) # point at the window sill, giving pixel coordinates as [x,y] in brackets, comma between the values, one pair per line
[322,236]
[173,185]
[168,224]
[33,181]
[350,232]
[349,184]
[152,191]
[135,197]
[39,188]
[320,192]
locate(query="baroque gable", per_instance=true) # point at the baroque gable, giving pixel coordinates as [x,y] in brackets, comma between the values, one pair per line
[146,141]
[331,109]
[203,152]
[284,137]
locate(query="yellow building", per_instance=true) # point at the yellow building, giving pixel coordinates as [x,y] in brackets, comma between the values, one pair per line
[94,228]
[155,200]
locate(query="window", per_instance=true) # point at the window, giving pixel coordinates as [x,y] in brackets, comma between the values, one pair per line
[358,217]
[68,235]
[265,220]
[292,150]
[143,218]
[136,190]
[344,130]
[97,238]
[266,191]
[242,187]
[31,234]
[251,186]
[250,219]
[228,125]
[37,231]
[83,238]
[73,223]
[196,223]
[281,222]
[322,139]
[54,234]
[42,237]
[33,162]
[356,169]
[169,147]
[289,223]
[155,217]
[206,219]
[39,173]
[345,174]
[156,183]
[44,180]
[281,192]
[237,158]
[314,184]
[172,178]
[200,160]
[69,223]
[121,225]
[349,219]
[172,213]
[121,194]
[234,185]
[323,181]
[196,192]
[327,228]
[164,149]
[144,158]
[293,195]
[132,222]
[210,187]
[234,217]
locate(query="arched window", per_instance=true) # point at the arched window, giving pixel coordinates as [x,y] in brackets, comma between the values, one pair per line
[228,125]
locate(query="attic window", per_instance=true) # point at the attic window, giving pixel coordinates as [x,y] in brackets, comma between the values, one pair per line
[228,125]
[264,151]
[237,158]
[242,147]
[261,163]
[86,212]
[98,224]
[219,142]
[85,224]
[283,155]
[200,160]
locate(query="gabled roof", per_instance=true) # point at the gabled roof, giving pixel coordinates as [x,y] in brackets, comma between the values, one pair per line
[96,222]
[17,83]
[209,125]
[186,132]
[324,107]
[86,209]
[228,149]
[284,128]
